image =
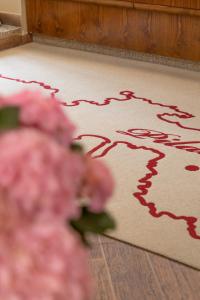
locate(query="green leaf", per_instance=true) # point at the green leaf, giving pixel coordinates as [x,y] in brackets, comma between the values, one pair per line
[90,222]
[9,117]
[76,147]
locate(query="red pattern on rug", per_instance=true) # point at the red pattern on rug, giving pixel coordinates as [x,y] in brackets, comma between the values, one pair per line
[145,182]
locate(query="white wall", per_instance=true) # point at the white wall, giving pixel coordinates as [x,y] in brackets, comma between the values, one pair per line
[11,6]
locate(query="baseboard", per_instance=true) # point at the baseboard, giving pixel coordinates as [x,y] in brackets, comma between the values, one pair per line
[122,53]
[10,18]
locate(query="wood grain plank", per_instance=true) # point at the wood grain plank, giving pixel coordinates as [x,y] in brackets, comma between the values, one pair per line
[130,272]
[161,33]
[103,289]
[119,3]
[95,249]
[100,272]
[170,276]
[139,274]
[174,3]
[167,9]
[188,279]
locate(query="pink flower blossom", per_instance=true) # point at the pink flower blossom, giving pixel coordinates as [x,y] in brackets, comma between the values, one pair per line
[38,176]
[98,184]
[40,181]
[43,113]
[43,262]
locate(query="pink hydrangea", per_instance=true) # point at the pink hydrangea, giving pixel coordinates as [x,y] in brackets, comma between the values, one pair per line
[98,184]
[43,262]
[38,176]
[40,181]
[43,113]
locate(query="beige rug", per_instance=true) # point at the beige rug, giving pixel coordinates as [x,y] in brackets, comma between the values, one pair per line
[144,120]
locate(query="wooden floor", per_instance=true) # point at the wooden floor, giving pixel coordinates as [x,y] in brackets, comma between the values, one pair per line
[124,272]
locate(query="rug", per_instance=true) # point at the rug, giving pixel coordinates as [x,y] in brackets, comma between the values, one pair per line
[144,121]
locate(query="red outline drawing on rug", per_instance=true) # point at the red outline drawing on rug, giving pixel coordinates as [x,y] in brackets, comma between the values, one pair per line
[151,165]
[42,84]
[129,95]
[158,137]
[145,182]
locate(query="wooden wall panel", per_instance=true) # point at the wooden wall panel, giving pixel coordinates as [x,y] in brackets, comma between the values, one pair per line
[146,31]
[195,4]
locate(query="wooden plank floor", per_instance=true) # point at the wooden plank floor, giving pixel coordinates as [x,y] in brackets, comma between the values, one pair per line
[124,272]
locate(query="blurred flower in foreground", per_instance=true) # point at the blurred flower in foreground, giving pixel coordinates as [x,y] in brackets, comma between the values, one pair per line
[43,222]
[43,262]
[43,113]
[98,184]
[38,177]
